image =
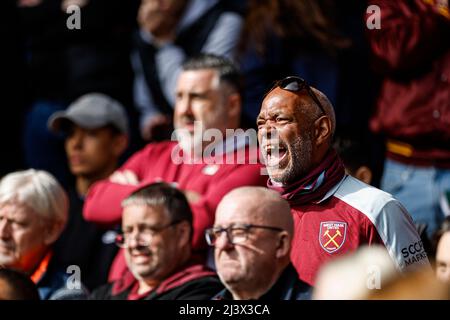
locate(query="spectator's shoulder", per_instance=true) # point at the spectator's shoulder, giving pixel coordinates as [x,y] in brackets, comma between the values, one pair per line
[363,197]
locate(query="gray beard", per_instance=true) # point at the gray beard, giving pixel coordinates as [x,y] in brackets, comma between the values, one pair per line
[301,153]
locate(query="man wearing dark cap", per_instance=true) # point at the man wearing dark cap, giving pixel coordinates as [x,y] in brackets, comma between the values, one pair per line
[96,130]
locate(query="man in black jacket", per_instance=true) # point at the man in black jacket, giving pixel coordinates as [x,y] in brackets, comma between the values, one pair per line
[252,238]
[156,236]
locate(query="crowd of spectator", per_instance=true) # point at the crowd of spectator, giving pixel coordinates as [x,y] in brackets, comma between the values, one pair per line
[225,150]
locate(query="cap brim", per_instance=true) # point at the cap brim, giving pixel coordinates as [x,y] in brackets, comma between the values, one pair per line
[60,121]
[56,121]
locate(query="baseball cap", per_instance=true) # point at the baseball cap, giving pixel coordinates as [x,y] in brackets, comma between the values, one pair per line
[91,111]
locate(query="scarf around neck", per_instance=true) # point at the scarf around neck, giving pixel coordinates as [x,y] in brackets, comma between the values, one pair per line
[314,186]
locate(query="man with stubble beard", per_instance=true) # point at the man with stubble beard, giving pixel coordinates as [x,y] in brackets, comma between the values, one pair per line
[333,212]
[208,99]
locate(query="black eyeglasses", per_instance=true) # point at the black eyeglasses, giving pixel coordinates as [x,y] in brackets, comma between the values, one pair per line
[236,234]
[144,236]
[297,84]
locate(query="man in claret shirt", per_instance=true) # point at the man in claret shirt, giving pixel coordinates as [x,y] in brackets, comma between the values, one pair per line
[207,97]
[412,57]
[334,213]
[156,234]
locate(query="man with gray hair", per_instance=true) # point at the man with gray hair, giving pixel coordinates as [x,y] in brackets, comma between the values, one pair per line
[208,98]
[156,236]
[33,213]
[333,212]
[252,238]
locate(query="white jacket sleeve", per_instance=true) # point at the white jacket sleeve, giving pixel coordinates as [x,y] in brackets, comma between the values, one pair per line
[398,232]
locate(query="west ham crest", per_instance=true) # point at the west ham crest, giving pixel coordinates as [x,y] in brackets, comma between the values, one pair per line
[332,235]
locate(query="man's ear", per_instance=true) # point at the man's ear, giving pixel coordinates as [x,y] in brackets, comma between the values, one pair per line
[52,232]
[322,130]
[120,143]
[284,245]
[184,234]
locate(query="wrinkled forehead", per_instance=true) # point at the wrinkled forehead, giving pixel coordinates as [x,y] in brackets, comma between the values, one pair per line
[238,210]
[13,209]
[279,100]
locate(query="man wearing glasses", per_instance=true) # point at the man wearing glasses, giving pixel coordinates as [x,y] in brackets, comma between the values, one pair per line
[209,99]
[333,212]
[156,236]
[252,242]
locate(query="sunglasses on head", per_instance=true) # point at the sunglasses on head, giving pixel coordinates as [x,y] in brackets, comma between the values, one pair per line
[297,84]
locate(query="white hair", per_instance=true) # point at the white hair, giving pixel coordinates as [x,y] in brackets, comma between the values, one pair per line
[37,190]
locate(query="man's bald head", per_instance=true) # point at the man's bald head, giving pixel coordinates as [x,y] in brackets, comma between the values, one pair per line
[327,106]
[256,250]
[291,122]
[258,205]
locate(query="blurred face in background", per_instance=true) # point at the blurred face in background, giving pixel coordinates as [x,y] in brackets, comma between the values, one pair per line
[92,152]
[443,258]
[199,97]
[23,237]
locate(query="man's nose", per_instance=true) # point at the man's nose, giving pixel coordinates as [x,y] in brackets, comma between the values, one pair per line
[223,242]
[268,131]
[184,106]
[75,140]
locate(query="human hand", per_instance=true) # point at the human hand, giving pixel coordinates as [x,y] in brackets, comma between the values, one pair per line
[126,177]
[160,18]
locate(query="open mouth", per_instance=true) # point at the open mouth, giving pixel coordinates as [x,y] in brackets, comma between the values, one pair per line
[275,153]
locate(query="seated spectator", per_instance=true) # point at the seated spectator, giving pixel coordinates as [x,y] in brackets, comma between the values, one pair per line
[15,285]
[443,252]
[208,93]
[171,32]
[157,231]
[252,239]
[355,156]
[334,213]
[33,213]
[96,132]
